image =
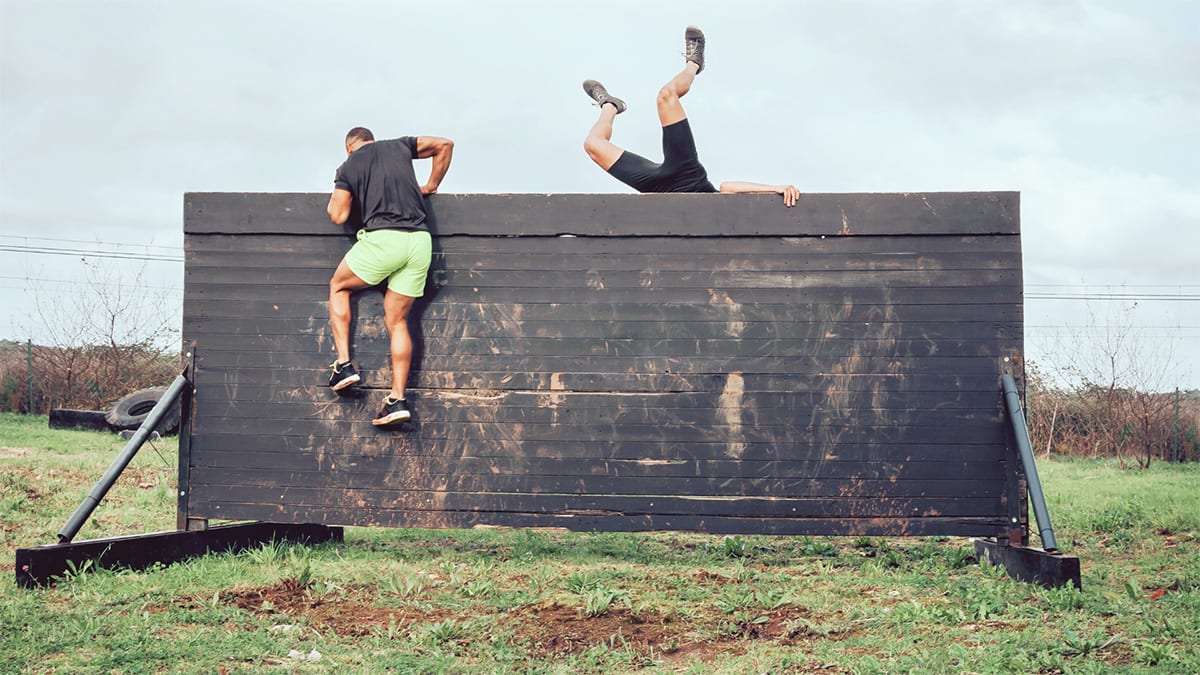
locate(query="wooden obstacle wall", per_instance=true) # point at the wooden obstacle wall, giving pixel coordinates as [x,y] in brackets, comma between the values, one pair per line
[619,362]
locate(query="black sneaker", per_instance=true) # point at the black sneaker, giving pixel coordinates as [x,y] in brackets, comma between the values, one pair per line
[601,95]
[693,46]
[343,375]
[394,411]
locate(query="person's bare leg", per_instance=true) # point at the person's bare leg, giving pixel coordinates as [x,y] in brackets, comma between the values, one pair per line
[670,109]
[395,312]
[598,144]
[343,283]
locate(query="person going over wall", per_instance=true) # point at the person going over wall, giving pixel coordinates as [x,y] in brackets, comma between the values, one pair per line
[680,170]
[393,244]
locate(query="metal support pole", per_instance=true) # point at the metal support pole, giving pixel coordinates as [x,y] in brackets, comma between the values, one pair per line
[92,500]
[1013,402]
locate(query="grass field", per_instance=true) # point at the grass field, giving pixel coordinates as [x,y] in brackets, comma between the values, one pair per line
[501,601]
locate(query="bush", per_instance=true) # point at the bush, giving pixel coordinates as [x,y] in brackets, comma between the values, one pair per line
[1092,421]
[91,377]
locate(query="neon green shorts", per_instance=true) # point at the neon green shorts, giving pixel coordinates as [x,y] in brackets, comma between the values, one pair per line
[400,256]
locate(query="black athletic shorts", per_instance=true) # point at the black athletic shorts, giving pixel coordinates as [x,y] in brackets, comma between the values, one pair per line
[680,170]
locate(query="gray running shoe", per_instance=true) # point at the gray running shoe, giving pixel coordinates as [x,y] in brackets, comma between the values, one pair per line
[693,46]
[601,95]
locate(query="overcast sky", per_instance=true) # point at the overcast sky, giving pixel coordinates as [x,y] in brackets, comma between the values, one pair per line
[111,111]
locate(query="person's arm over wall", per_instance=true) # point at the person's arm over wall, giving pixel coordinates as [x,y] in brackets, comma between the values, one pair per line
[789,192]
[440,149]
[339,206]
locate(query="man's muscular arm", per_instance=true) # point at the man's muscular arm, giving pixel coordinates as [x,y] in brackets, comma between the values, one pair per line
[440,149]
[789,192]
[339,206]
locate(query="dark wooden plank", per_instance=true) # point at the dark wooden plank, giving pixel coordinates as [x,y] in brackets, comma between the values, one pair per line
[380,488]
[368,516]
[284,281]
[895,242]
[238,385]
[636,261]
[42,565]
[981,449]
[610,251]
[834,359]
[292,250]
[466,350]
[373,466]
[1051,570]
[307,379]
[714,410]
[761,507]
[212,331]
[271,265]
[683,215]
[306,300]
[431,425]
[728,398]
[309,385]
[368,305]
[521,406]
[512,314]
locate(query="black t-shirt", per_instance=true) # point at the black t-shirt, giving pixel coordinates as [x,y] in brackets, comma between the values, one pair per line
[381,178]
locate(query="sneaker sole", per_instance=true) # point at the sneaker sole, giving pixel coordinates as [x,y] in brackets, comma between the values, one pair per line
[353,379]
[393,418]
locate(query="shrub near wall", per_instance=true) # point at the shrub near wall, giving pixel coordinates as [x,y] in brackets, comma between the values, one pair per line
[91,377]
[1136,427]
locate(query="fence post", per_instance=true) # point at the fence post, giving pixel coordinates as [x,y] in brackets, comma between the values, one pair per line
[29,358]
[1175,442]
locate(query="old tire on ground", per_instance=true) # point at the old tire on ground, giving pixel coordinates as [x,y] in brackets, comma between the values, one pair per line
[132,409]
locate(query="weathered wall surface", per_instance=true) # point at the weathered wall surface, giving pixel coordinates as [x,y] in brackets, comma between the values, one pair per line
[695,362]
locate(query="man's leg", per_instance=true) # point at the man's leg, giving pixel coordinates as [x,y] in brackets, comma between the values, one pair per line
[343,283]
[598,144]
[670,110]
[395,310]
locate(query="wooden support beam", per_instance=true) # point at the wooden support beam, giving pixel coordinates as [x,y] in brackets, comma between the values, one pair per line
[41,565]
[1031,565]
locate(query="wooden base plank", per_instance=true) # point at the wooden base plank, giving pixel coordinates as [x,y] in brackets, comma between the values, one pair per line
[41,565]
[1052,570]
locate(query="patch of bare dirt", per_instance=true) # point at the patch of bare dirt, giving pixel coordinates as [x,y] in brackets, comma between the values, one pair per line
[549,629]
[553,629]
[348,612]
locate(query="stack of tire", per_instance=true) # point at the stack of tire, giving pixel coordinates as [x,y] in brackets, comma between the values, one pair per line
[126,414]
